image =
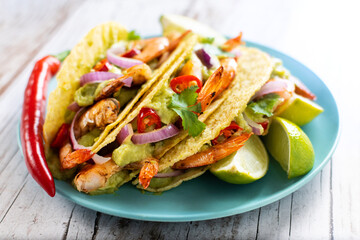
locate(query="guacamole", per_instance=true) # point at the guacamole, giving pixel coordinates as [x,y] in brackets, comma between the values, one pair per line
[129,153]
[85,95]
[89,138]
[124,95]
[160,104]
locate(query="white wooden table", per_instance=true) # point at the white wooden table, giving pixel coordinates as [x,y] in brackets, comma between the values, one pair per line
[323,35]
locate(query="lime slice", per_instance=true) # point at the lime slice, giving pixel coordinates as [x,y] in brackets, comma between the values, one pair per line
[248,164]
[290,146]
[173,22]
[299,110]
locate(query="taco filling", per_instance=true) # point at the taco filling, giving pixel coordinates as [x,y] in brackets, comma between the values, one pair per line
[176,109]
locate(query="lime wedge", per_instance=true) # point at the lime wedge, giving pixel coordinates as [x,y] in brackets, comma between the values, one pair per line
[290,146]
[248,164]
[299,110]
[178,23]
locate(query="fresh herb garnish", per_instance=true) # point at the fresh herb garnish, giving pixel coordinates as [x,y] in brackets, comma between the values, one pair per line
[265,106]
[132,35]
[184,105]
[208,40]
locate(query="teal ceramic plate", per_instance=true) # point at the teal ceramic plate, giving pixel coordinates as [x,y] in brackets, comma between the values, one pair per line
[207,197]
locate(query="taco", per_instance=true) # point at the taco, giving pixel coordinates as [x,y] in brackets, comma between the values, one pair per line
[193,87]
[265,89]
[103,77]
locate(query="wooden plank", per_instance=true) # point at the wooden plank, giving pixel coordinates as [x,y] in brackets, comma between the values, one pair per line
[34,29]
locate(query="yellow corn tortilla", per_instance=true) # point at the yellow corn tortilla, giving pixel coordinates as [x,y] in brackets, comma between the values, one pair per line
[80,61]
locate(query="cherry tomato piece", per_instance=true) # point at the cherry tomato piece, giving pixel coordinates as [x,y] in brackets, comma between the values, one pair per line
[226,133]
[146,119]
[264,125]
[181,83]
[102,66]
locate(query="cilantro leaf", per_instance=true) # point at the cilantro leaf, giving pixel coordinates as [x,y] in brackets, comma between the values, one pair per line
[132,35]
[266,105]
[186,98]
[190,122]
[184,105]
[208,40]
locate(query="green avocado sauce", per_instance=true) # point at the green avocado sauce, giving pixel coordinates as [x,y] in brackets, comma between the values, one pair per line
[160,104]
[89,138]
[129,153]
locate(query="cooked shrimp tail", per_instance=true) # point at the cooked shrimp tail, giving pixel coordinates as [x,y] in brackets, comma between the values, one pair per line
[149,169]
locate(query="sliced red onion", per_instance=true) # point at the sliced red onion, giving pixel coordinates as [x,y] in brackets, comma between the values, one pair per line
[127,81]
[204,57]
[301,89]
[74,142]
[121,61]
[278,85]
[125,132]
[169,174]
[97,158]
[94,77]
[74,107]
[156,135]
[256,128]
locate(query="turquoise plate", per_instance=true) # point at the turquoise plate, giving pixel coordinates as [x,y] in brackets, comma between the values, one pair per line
[208,197]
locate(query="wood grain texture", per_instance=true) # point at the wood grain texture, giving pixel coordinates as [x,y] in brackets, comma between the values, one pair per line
[321,34]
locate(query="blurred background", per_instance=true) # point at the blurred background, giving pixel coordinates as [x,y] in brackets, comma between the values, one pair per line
[323,35]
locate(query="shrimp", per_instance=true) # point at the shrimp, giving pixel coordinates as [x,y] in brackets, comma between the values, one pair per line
[217,82]
[230,66]
[149,169]
[232,43]
[99,115]
[64,151]
[210,88]
[139,73]
[155,47]
[93,177]
[192,67]
[151,48]
[75,158]
[213,154]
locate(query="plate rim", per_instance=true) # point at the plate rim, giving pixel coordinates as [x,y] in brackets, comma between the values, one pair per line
[231,211]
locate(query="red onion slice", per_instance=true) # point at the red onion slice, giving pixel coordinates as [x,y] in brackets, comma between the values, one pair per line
[156,135]
[169,174]
[97,158]
[125,132]
[278,85]
[204,57]
[121,61]
[236,52]
[74,107]
[256,128]
[74,142]
[127,81]
[94,77]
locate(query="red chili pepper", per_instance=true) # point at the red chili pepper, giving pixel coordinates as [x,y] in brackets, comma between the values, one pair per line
[226,133]
[131,53]
[180,83]
[61,137]
[102,66]
[146,118]
[32,121]
[264,125]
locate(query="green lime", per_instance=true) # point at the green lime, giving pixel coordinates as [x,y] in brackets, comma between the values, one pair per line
[248,164]
[173,22]
[299,110]
[290,146]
